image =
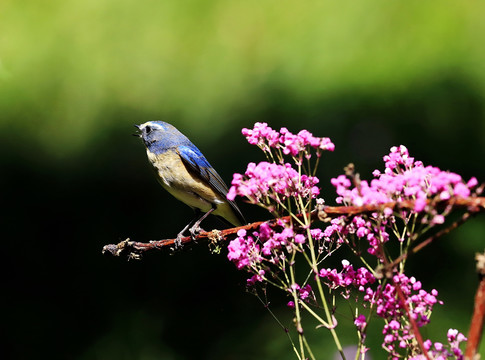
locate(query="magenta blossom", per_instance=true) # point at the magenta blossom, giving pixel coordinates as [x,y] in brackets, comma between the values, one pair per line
[266,182]
[268,246]
[266,138]
[403,179]
[243,250]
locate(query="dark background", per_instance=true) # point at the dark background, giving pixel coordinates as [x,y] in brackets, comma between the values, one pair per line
[76,76]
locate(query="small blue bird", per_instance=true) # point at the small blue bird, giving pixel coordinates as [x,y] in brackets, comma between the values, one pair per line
[186,174]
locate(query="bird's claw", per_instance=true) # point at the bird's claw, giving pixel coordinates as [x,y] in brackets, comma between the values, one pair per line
[178,242]
[194,232]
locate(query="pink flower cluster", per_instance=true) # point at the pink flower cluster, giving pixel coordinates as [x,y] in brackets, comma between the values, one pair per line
[360,322]
[397,332]
[403,179]
[250,250]
[272,181]
[359,278]
[244,251]
[304,293]
[388,305]
[374,232]
[265,137]
[440,351]
[267,253]
[256,251]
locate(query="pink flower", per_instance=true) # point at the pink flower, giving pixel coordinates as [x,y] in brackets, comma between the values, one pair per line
[305,291]
[461,190]
[299,239]
[360,322]
[438,219]
[265,231]
[243,250]
[472,182]
[259,277]
[394,325]
[317,234]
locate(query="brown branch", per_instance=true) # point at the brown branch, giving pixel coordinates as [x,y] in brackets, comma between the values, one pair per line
[402,298]
[476,326]
[414,325]
[477,203]
[134,249]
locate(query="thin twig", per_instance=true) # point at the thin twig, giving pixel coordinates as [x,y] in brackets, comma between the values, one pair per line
[134,249]
[421,245]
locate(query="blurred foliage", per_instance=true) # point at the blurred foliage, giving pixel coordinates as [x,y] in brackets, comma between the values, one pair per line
[69,62]
[76,75]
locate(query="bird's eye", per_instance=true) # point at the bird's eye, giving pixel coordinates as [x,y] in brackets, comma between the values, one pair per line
[148,129]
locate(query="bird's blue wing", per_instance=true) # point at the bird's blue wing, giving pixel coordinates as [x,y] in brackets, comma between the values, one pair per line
[198,165]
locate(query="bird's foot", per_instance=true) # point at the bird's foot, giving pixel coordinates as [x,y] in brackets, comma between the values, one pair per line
[178,242]
[194,232]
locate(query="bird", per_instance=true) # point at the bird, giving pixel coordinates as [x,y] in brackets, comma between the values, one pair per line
[186,174]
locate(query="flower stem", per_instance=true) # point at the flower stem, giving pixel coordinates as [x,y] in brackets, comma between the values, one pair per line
[307,222]
[299,328]
[315,315]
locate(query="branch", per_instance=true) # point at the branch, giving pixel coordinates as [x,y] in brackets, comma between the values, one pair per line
[414,325]
[402,298]
[476,327]
[134,249]
[474,204]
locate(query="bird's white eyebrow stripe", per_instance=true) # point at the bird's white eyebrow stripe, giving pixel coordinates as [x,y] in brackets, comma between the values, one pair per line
[152,124]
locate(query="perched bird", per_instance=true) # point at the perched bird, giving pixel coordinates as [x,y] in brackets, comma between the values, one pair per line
[186,174]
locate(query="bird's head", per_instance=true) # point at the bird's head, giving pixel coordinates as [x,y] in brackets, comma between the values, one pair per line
[159,135]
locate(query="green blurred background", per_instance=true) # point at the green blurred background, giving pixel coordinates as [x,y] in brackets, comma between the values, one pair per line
[76,75]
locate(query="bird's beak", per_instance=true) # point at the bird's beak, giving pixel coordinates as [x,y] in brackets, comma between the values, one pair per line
[137,134]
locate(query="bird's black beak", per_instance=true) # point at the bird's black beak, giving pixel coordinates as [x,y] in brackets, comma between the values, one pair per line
[138,134]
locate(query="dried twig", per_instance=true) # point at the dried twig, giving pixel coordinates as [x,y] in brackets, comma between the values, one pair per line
[134,249]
